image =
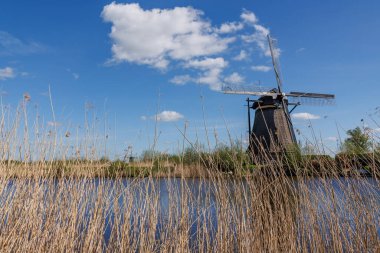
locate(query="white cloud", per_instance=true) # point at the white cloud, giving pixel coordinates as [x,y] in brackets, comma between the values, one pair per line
[10,45]
[212,69]
[180,80]
[305,116]
[261,29]
[6,73]
[156,36]
[299,50]
[168,116]
[182,36]
[230,27]
[331,138]
[211,78]
[260,38]
[261,68]
[207,63]
[249,17]
[241,56]
[143,117]
[234,78]
[75,75]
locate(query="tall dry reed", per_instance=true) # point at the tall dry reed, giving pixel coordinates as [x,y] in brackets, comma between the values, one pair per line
[264,210]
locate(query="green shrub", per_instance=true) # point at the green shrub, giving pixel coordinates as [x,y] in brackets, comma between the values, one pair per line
[229,158]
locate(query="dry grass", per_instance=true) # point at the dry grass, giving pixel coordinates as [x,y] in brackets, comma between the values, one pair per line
[217,214]
[263,211]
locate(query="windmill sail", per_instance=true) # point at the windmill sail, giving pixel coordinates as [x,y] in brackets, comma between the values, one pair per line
[274,51]
[310,95]
[307,98]
[252,90]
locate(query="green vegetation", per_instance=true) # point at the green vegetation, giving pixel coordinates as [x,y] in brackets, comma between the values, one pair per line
[357,142]
[359,151]
[193,162]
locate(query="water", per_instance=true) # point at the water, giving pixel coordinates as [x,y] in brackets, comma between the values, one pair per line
[197,199]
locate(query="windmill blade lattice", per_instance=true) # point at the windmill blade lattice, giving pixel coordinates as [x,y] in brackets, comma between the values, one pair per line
[312,101]
[275,54]
[256,90]
[307,98]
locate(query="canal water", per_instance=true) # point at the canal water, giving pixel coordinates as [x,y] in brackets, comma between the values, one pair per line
[198,199]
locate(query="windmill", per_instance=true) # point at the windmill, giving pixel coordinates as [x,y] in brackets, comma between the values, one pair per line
[272,132]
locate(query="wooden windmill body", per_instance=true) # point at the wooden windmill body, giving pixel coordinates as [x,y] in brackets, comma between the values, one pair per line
[272,132]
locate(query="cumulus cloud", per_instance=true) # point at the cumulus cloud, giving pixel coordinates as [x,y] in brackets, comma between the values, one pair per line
[230,27]
[212,69]
[181,79]
[261,68]
[259,37]
[168,116]
[210,72]
[207,63]
[241,56]
[249,17]
[234,78]
[6,73]
[156,36]
[305,116]
[182,36]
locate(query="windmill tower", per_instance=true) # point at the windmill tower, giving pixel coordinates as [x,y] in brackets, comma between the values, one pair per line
[272,132]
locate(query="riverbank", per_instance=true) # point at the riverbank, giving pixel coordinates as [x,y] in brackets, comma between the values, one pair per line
[119,169]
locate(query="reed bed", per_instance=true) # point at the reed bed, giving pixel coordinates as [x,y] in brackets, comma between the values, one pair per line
[264,210]
[218,214]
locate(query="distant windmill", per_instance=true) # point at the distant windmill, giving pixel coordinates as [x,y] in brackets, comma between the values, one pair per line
[273,131]
[128,157]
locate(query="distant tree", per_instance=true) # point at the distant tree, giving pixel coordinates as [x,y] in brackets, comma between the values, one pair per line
[191,155]
[148,155]
[229,158]
[357,141]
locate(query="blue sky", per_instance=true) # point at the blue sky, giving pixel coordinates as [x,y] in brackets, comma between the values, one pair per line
[133,60]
